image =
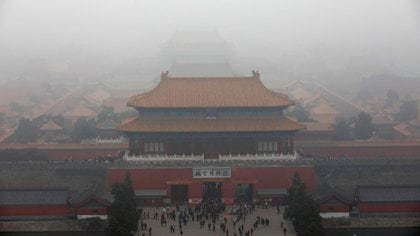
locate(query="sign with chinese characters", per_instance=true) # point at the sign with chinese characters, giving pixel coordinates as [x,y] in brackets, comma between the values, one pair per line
[211,172]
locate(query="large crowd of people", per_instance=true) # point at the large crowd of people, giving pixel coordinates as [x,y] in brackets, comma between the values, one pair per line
[211,216]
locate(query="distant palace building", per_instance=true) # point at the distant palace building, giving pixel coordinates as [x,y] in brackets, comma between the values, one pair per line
[198,54]
[220,138]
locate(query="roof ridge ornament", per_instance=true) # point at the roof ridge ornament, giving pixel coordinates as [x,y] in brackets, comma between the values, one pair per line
[255,74]
[164,74]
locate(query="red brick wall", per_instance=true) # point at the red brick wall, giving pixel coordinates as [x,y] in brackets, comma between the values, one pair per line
[48,210]
[389,207]
[78,154]
[276,177]
[364,151]
[334,207]
[271,177]
[72,150]
[156,179]
[58,210]
[91,211]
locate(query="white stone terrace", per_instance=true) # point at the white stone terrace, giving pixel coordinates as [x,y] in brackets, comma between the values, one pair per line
[220,158]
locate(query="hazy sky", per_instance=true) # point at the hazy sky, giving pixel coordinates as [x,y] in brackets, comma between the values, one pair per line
[33,27]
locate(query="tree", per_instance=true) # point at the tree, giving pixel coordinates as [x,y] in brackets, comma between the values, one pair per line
[122,214]
[2,118]
[16,107]
[308,222]
[83,128]
[364,93]
[30,154]
[392,97]
[59,120]
[94,224]
[46,87]
[363,128]
[408,111]
[105,113]
[26,132]
[342,130]
[301,114]
[295,195]
[302,210]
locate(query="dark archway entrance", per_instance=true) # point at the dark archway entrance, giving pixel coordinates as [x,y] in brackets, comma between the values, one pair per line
[212,191]
[243,193]
[179,193]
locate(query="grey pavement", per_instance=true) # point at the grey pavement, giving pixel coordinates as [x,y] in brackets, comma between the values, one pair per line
[193,227]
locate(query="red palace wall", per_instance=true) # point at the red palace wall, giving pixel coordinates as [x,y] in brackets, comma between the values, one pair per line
[331,149]
[356,151]
[334,207]
[33,210]
[389,207]
[72,150]
[364,151]
[49,211]
[78,154]
[263,177]
[91,211]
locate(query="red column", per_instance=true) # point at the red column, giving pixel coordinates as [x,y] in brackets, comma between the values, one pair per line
[141,146]
[228,192]
[165,146]
[279,145]
[292,144]
[130,146]
[195,190]
[284,145]
[230,145]
[255,146]
[192,145]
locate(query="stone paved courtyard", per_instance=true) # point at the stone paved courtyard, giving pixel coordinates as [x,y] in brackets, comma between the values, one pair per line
[193,227]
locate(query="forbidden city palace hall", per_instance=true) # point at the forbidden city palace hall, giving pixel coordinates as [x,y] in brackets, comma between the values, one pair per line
[211,138]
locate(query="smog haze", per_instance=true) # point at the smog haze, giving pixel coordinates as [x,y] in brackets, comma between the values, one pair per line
[267,29]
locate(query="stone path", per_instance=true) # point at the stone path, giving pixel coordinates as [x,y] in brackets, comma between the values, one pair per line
[193,227]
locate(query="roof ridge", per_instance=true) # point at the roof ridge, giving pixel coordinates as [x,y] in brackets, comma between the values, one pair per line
[216,125]
[211,77]
[51,124]
[389,186]
[178,92]
[35,189]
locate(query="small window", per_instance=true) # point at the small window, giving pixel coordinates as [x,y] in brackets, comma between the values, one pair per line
[267,146]
[154,147]
[211,114]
